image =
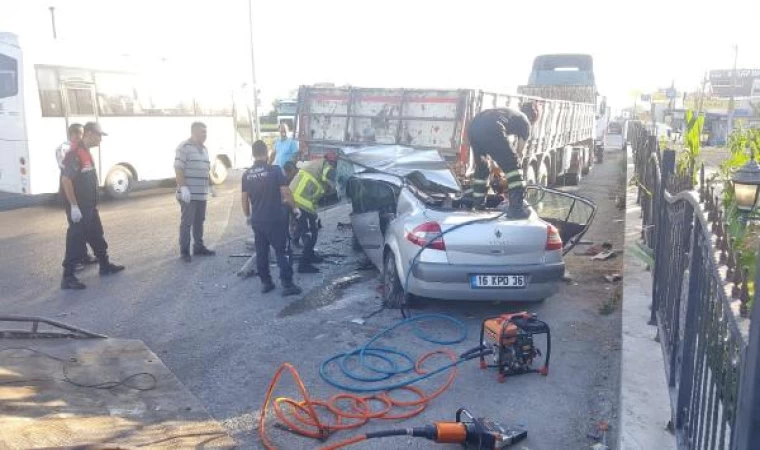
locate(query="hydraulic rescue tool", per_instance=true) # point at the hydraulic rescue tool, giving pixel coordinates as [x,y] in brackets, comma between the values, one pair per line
[473,433]
[509,337]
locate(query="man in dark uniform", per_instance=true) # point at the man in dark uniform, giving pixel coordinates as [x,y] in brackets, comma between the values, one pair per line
[80,184]
[488,135]
[267,202]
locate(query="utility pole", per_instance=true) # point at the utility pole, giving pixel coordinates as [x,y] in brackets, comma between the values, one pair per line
[52,18]
[733,91]
[255,121]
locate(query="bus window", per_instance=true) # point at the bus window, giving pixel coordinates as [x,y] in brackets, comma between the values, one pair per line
[50,93]
[8,76]
[80,101]
[116,94]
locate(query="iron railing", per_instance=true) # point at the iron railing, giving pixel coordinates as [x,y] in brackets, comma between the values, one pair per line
[699,304]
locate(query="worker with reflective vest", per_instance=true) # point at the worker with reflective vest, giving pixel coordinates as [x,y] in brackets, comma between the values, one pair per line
[309,184]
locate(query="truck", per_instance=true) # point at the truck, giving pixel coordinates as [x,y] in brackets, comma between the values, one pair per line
[331,118]
[571,77]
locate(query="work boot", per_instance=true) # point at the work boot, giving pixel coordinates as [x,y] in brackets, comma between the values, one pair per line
[290,289]
[307,268]
[266,286]
[517,208]
[108,268]
[71,282]
[186,257]
[204,251]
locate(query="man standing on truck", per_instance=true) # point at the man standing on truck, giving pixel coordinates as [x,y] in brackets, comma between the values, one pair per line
[80,183]
[488,134]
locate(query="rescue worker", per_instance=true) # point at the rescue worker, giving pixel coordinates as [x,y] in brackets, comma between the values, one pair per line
[308,184]
[488,135]
[80,183]
[266,203]
[74,134]
[330,195]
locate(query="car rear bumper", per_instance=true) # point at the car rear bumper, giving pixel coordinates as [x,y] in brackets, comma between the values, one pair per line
[452,282]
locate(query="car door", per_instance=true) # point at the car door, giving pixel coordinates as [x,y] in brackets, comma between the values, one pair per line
[370,200]
[571,214]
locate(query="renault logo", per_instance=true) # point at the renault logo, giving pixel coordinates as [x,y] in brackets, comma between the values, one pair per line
[498,233]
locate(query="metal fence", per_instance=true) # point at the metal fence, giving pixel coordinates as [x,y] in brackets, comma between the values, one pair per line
[699,304]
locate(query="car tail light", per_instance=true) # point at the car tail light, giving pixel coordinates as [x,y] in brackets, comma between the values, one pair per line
[553,240]
[422,234]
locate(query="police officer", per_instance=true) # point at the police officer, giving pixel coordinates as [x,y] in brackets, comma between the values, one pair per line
[488,135]
[308,185]
[80,184]
[266,203]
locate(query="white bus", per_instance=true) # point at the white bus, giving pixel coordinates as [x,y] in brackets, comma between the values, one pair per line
[146,111]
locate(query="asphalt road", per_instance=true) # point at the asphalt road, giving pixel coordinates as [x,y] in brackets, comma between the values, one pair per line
[224,340]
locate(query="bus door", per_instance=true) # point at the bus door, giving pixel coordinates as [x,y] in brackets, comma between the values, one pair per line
[79,106]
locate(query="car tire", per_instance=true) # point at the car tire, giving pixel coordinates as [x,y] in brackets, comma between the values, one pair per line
[119,182]
[218,173]
[393,291]
[355,245]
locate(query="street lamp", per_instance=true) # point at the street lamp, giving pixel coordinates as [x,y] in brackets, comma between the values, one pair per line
[746,182]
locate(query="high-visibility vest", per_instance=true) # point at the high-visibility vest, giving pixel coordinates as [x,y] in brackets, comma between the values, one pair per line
[327,170]
[308,191]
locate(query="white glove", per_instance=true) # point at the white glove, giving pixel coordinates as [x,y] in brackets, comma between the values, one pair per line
[297,212]
[76,214]
[184,194]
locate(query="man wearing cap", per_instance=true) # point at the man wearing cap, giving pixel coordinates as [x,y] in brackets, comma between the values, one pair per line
[80,184]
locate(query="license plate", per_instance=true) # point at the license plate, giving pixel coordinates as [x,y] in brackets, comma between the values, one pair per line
[497,281]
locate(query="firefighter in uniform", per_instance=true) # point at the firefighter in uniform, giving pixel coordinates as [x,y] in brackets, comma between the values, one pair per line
[488,134]
[266,203]
[309,184]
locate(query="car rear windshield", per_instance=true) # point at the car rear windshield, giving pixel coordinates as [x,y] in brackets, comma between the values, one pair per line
[8,76]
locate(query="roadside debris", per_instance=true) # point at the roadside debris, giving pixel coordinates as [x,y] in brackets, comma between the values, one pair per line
[604,256]
[344,226]
[613,277]
[596,249]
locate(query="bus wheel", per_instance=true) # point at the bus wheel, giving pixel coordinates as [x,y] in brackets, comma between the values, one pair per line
[218,171]
[119,182]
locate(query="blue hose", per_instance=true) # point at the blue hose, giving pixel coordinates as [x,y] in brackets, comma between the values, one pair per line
[367,352]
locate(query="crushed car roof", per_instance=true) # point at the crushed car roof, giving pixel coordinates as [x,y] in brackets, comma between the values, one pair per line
[425,168]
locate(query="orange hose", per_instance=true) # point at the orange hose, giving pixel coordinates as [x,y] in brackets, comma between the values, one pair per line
[303,419]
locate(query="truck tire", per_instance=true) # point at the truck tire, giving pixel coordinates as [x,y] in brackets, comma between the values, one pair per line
[218,173]
[543,175]
[588,162]
[530,175]
[572,179]
[119,182]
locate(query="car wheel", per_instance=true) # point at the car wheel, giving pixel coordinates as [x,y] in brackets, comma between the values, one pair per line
[119,182]
[218,172]
[393,292]
[572,179]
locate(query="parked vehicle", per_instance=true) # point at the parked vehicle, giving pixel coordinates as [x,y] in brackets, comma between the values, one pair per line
[406,217]
[44,89]
[614,138]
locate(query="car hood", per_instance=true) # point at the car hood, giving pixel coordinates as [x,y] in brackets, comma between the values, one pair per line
[427,169]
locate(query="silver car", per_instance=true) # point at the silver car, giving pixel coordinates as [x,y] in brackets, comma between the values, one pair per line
[407,219]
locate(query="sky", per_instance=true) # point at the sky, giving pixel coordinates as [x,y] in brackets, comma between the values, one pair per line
[637,46]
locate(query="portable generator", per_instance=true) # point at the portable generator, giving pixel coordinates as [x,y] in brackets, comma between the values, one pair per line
[508,339]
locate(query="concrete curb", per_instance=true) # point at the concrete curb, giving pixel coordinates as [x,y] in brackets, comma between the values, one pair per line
[644,397]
